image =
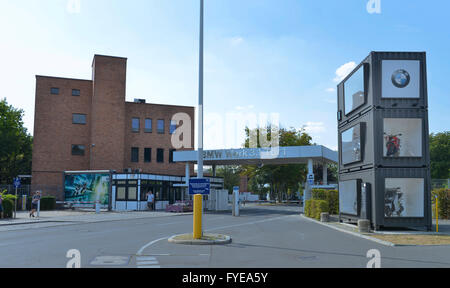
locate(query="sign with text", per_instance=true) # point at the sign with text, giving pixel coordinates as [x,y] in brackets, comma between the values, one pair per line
[199,186]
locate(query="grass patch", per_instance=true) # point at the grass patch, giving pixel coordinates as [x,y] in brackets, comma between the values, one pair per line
[415,239]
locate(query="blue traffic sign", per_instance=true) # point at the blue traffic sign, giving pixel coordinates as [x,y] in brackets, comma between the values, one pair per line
[199,186]
[16,182]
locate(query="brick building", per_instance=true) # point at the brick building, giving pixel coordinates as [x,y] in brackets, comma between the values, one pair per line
[83,125]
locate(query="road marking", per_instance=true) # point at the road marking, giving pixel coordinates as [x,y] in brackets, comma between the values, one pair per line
[147,262]
[110,261]
[139,253]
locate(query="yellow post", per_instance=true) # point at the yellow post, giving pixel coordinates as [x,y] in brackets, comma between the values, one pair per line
[437,214]
[198,207]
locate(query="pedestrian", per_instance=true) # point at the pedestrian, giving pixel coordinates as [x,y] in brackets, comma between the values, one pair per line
[150,200]
[1,206]
[34,203]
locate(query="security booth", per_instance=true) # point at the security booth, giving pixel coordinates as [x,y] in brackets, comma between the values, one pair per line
[384,161]
[129,190]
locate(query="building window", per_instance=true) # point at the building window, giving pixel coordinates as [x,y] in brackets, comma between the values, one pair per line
[54,91]
[160,156]
[161,126]
[79,119]
[173,126]
[134,155]
[148,155]
[171,155]
[135,124]
[148,125]
[76,92]
[78,150]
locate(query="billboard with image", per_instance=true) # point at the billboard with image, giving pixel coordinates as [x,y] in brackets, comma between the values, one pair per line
[87,188]
[402,137]
[404,197]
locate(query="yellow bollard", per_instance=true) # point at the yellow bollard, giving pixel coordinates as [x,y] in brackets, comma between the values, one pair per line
[437,215]
[198,207]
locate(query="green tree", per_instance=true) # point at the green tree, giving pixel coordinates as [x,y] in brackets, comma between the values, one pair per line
[283,180]
[440,155]
[231,176]
[16,144]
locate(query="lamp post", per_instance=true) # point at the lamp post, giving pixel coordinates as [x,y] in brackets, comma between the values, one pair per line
[200,98]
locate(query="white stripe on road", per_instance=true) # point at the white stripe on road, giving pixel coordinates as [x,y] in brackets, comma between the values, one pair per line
[140,263]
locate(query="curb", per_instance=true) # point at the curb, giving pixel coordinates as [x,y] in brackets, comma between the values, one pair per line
[386,243]
[225,240]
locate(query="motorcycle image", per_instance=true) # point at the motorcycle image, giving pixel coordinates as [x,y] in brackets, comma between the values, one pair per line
[393,202]
[392,145]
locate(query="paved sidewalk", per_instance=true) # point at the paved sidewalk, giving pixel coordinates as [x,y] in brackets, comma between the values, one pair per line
[71,216]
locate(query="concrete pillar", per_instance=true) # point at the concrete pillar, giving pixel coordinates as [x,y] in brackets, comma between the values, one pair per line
[325,174]
[308,186]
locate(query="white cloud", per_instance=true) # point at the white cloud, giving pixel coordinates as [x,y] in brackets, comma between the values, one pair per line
[236,41]
[315,127]
[330,90]
[344,70]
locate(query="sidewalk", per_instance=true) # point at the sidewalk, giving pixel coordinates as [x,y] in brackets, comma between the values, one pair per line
[71,216]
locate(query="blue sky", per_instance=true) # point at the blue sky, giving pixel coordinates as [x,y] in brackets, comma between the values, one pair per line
[261,56]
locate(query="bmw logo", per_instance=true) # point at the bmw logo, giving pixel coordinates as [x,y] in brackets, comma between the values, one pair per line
[401,78]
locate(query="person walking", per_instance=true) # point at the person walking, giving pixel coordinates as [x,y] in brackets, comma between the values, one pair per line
[150,200]
[34,203]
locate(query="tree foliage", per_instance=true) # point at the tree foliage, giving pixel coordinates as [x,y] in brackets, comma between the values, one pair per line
[281,181]
[16,144]
[440,155]
[231,176]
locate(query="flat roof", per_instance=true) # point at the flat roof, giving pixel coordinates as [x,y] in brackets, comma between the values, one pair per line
[257,156]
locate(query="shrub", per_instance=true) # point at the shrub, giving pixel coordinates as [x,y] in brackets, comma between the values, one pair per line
[48,203]
[331,196]
[8,208]
[443,196]
[313,208]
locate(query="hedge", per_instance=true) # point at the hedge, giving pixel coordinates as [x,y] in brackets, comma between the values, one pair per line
[443,203]
[331,196]
[313,208]
[8,208]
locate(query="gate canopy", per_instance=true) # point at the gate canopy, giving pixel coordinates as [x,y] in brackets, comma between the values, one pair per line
[259,156]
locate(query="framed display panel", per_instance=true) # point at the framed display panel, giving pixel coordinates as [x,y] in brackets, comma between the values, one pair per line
[352,144]
[350,197]
[401,138]
[404,197]
[400,80]
[355,89]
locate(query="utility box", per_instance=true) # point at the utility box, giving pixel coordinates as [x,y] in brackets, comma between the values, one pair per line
[384,156]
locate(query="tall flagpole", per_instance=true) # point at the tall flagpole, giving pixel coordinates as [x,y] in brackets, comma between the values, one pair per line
[200,99]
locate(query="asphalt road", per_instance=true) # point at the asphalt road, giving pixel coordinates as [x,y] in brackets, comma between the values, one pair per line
[263,237]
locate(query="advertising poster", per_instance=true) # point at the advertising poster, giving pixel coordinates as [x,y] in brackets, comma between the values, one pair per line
[84,188]
[404,197]
[348,197]
[402,137]
[401,79]
[351,145]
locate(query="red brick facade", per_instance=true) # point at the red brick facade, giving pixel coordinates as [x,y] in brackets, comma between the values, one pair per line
[107,135]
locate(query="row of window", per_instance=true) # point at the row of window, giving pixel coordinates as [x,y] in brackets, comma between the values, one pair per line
[81,119]
[55,91]
[79,150]
[148,125]
[148,155]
